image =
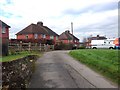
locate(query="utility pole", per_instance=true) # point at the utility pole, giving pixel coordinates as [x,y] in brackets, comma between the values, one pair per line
[72,30]
[72,27]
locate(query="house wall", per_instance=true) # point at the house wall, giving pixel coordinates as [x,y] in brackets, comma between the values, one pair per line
[75,43]
[65,41]
[0,31]
[31,36]
[23,36]
[48,37]
[4,41]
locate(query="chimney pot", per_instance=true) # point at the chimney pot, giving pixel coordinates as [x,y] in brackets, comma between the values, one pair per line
[97,35]
[40,23]
[67,31]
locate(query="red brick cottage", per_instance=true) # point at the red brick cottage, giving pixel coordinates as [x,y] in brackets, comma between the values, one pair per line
[68,38]
[37,31]
[4,38]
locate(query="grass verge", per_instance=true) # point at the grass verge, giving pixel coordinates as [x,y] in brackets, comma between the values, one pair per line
[105,62]
[19,55]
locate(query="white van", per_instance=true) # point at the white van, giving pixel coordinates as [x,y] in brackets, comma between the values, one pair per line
[107,43]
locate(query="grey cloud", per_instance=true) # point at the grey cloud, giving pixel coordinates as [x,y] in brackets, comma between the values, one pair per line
[108,28]
[93,8]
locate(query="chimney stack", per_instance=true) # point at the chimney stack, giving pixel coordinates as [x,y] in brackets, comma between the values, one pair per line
[40,23]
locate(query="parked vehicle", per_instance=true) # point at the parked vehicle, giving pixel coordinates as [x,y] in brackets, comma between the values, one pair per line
[107,43]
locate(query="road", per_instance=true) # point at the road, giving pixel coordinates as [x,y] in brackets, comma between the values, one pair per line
[56,69]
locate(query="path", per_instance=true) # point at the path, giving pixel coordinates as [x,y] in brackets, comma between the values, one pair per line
[56,69]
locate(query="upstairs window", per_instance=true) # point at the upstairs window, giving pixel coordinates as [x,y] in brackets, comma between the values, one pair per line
[26,36]
[43,36]
[35,36]
[56,37]
[3,30]
[51,37]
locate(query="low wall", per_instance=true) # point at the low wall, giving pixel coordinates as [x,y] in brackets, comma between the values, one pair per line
[17,73]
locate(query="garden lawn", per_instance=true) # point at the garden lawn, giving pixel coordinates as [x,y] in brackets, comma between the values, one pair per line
[106,62]
[18,55]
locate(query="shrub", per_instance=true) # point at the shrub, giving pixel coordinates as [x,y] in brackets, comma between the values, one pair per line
[62,46]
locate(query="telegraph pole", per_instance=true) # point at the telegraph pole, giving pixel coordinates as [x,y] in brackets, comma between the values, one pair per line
[72,30]
[72,27]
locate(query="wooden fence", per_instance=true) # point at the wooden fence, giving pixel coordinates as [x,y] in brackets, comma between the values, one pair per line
[30,47]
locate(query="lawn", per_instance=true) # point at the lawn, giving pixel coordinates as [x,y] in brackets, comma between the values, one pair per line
[19,55]
[105,62]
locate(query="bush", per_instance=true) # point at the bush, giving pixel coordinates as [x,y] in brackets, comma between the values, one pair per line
[63,46]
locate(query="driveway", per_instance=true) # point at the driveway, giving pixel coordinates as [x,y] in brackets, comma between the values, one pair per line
[56,69]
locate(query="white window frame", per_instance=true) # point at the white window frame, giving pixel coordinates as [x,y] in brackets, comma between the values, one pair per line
[3,30]
[26,36]
[51,37]
[43,36]
[36,36]
[56,37]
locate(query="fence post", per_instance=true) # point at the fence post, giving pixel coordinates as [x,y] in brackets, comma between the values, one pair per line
[20,45]
[52,47]
[35,46]
[40,47]
[29,46]
[18,49]
[45,48]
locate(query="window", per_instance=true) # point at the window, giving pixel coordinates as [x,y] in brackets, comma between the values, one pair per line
[51,37]
[35,36]
[56,37]
[3,30]
[43,36]
[26,36]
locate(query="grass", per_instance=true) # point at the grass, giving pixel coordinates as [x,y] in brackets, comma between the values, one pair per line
[19,55]
[105,62]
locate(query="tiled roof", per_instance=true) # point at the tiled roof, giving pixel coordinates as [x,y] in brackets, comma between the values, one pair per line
[37,29]
[67,36]
[97,38]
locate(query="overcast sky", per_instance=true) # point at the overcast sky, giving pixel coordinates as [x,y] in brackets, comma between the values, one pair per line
[89,17]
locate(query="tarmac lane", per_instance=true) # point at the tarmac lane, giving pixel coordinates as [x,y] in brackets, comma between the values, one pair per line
[56,69]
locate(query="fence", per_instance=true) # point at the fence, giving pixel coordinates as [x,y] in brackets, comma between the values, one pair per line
[30,47]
